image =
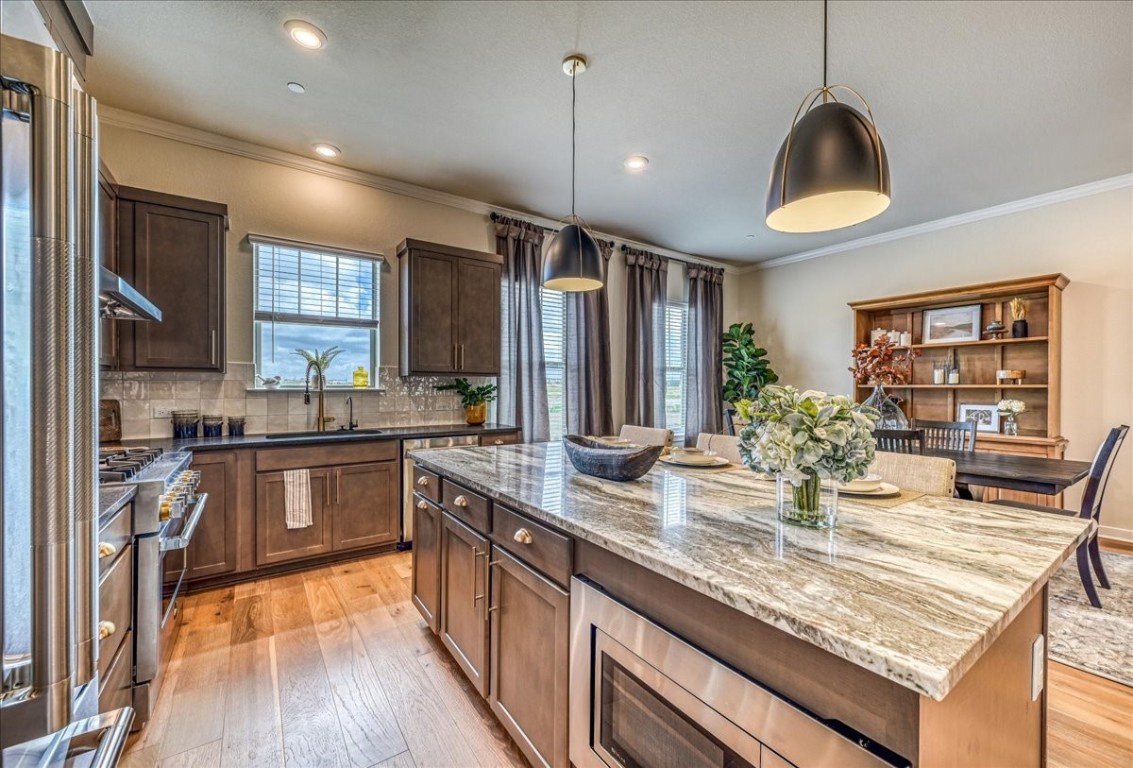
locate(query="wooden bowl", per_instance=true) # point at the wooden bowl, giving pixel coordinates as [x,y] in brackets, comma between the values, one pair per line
[593,457]
[1011,374]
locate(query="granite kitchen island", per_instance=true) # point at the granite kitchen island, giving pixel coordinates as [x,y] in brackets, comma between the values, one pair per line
[915,628]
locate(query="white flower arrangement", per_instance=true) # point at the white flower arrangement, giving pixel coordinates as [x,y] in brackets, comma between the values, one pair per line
[1014,407]
[800,435]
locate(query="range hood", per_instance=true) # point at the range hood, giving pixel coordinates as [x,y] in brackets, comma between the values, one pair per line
[118,300]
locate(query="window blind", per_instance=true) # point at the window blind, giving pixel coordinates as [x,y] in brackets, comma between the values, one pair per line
[675,338]
[554,351]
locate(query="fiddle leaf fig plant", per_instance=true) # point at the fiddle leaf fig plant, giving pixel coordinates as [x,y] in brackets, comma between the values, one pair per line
[746,369]
[470,395]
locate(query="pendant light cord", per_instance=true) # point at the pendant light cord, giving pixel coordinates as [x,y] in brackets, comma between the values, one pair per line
[825,35]
[573,141]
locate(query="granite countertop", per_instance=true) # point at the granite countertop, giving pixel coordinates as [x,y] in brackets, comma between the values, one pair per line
[111,499]
[262,441]
[915,593]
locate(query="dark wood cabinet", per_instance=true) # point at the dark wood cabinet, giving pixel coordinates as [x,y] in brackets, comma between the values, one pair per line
[365,505]
[275,542]
[107,257]
[173,250]
[450,310]
[464,588]
[426,581]
[213,549]
[529,659]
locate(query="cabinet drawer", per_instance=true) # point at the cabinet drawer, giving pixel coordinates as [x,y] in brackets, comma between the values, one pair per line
[427,483]
[504,438]
[116,536]
[468,507]
[115,600]
[117,687]
[537,545]
[323,455]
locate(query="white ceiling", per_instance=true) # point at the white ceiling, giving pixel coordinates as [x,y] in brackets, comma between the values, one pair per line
[979,103]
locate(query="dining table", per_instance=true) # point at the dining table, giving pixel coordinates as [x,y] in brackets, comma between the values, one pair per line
[1034,474]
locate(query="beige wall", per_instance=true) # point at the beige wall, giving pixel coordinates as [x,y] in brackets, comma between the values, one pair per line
[801,315]
[271,199]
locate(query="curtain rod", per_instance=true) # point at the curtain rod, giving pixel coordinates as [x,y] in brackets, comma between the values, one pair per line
[686,262]
[497,216]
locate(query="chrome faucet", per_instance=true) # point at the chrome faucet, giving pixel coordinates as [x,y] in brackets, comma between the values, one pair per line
[321,389]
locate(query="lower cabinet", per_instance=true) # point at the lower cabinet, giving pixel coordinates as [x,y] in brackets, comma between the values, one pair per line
[275,542]
[529,659]
[426,581]
[464,607]
[365,505]
[213,550]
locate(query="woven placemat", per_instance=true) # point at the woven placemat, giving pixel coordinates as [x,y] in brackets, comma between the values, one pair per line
[886,502]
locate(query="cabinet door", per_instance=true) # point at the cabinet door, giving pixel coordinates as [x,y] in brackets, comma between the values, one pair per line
[464,610]
[213,549]
[178,263]
[426,586]
[433,322]
[108,257]
[275,542]
[530,631]
[365,505]
[478,317]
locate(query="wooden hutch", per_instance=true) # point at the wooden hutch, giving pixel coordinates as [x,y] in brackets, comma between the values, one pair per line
[1039,354]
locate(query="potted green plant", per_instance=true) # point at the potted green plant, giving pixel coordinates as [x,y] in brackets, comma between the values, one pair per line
[321,359]
[474,399]
[746,369]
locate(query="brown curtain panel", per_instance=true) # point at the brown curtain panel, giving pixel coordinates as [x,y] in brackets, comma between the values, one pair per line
[523,367]
[586,321]
[646,275]
[704,353]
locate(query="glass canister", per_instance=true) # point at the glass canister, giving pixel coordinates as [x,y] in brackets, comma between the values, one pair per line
[213,424]
[185,423]
[235,426]
[361,378]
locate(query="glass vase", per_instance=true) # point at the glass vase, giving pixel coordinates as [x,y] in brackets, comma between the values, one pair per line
[1010,424]
[811,502]
[892,417]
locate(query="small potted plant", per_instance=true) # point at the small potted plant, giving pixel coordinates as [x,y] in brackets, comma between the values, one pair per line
[875,365]
[474,399]
[746,370]
[1009,410]
[321,359]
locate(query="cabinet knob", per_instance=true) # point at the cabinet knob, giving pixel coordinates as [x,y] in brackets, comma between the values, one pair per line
[422,505]
[460,501]
[523,536]
[106,629]
[106,550]
[422,481]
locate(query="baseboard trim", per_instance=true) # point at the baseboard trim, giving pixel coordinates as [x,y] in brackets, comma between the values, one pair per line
[1116,545]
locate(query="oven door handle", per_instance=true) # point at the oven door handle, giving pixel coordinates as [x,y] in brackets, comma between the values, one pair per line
[182,540]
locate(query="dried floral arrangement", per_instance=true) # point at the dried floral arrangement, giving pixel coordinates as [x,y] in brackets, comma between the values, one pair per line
[876,363]
[1018,309]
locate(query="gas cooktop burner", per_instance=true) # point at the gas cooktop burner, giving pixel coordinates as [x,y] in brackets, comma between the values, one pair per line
[117,464]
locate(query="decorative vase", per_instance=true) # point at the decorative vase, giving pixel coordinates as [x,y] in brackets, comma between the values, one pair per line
[476,414]
[811,503]
[1010,425]
[1019,329]
[892,417]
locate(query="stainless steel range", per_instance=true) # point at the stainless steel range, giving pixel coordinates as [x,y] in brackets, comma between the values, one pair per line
[167,511]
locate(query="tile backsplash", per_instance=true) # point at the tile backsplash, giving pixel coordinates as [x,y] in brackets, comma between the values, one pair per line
[398,401]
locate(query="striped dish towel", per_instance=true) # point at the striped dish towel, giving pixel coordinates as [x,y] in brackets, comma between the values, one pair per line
[297,498]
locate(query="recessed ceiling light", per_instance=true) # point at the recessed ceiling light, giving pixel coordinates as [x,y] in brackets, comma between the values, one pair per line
[636,163]
[296,87]
[326,150]
[305,34]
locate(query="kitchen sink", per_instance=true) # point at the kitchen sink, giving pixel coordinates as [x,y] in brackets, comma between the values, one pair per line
[327,434]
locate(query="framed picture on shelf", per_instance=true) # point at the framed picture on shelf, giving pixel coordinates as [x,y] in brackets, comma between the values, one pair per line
[985,415]
[948,325]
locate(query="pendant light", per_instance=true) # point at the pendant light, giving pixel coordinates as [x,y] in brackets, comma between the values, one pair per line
[573,262]
[831,171]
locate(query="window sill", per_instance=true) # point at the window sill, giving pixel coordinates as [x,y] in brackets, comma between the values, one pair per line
[331,390]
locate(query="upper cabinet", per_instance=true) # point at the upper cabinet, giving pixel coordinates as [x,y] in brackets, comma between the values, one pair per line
[450,310]
[108,257]
[172,249]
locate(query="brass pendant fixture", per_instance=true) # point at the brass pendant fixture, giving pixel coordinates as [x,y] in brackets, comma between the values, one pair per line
[831,171]
[573,262]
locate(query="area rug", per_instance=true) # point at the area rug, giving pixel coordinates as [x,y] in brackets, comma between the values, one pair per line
[1096,640]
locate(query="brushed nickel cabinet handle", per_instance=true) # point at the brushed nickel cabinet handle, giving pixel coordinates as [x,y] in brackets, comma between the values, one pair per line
[454,363]
[523,536]
[212,347]
[462,357]
[106,550]
[338,486]
[478,553]
[106,629]
[326,491]
[422,481]
[460,501]
[422,505]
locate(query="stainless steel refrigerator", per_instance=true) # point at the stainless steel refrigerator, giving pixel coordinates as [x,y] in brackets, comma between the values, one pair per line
[48,430]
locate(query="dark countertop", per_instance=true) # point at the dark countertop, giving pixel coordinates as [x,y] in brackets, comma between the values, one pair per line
[111,499]
[262,441]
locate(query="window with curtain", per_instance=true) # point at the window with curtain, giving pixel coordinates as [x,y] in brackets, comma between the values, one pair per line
[671,349]
[554,349]
[307,297]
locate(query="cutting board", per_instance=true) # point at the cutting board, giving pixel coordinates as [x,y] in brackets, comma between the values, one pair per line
[109,421]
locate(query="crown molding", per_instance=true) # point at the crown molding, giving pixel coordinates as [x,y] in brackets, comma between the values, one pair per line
[194,136]
[995,211]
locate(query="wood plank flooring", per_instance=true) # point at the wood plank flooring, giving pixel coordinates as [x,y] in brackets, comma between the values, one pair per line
[334,667]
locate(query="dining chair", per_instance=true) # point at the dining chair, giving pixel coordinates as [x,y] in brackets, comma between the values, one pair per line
[947,435]
[1091,510]
[900,440]
[647,435]
[909,472]
[727,446]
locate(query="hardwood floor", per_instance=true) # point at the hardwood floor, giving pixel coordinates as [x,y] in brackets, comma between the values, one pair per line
[334,667]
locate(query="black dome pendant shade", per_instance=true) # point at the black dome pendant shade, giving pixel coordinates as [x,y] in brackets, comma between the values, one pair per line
[573,262]
[831,171]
